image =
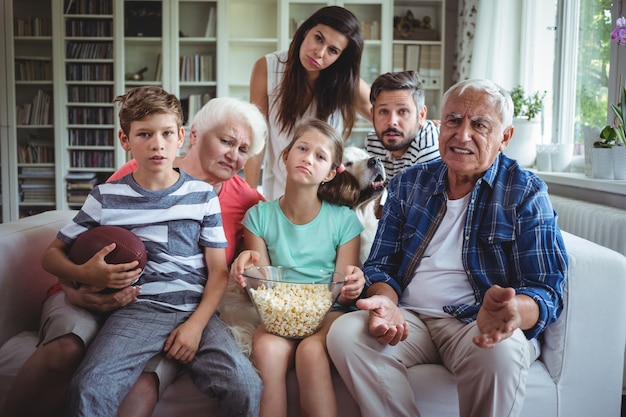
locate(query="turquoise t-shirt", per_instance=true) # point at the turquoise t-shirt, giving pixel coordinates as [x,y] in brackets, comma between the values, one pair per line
[311,245]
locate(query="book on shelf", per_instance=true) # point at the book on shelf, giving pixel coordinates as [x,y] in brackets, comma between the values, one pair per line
[37,172]
[370,30]
[35,152]
[35,189]
[192,104]
[398,58]
[79,185]
[196,68]
[80,176]
[37,112]
[210,25]
[159,69]
[412,57]
[68,6]
[430,59]
[206,68]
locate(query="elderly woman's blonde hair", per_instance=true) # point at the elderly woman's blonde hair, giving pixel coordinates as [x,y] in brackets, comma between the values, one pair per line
[222,108]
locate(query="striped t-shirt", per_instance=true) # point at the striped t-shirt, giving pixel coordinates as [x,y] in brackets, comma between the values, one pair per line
[175,225]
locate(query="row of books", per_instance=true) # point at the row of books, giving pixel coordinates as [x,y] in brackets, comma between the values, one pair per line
[35,152]
[91,137]
[89,50]
[79,185]
[37,112]
[196,68]
[87,28]
[424,59]
[88,7]
[90,115]
[36,184]
[89,94]
[89,72]
[37,172]
[370,30]
[36,190]
[91,159]
[193,103]
[32,26]
[33,69]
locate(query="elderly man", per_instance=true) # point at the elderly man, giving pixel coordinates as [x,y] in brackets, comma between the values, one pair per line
[402,136]
[467,269]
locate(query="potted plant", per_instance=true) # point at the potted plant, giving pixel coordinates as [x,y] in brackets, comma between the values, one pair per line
[526,108]
[613,143]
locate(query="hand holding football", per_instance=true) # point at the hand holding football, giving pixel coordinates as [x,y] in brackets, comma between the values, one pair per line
[128,247]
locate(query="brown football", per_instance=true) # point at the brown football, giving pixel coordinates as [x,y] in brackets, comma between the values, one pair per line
[128,247]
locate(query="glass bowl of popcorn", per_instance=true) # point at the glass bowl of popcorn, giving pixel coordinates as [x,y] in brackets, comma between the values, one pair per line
[292,302]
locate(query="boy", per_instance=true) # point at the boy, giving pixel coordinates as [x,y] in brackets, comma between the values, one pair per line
[178,218]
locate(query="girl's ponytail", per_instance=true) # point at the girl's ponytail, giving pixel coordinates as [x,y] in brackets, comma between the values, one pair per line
[342,190]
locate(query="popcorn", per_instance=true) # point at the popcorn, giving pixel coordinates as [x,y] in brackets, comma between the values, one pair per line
[292,310]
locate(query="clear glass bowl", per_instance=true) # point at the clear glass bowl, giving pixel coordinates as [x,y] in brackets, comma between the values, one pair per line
[292,302]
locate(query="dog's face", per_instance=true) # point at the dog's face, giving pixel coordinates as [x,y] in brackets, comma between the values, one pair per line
[368,170]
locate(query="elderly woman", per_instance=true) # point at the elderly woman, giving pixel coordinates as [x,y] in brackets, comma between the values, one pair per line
[224,134]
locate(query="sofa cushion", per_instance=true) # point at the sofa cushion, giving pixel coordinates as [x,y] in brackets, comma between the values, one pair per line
[13,354]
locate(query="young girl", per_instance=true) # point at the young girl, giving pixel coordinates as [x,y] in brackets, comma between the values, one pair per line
[309,226]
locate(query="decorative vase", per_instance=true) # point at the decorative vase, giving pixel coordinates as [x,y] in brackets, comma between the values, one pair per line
[619,162]
[561,155]
[523,145]
[544,160]
[592,134]
[602,163]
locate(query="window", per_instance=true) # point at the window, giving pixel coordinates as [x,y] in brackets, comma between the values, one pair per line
[584,69]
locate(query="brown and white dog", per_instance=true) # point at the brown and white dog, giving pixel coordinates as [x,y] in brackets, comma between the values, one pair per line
[370,173]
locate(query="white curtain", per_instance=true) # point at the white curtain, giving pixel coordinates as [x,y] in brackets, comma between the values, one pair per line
[499,40]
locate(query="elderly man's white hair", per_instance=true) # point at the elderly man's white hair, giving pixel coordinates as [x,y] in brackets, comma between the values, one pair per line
[499,94]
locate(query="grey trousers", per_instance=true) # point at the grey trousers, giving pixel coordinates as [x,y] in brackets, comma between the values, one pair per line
[491,382]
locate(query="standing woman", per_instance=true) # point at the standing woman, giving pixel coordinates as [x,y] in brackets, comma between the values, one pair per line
[317,77]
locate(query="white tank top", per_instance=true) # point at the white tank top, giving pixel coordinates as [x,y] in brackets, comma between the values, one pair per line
[274,173]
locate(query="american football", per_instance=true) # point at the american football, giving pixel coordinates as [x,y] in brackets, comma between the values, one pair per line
[128,247]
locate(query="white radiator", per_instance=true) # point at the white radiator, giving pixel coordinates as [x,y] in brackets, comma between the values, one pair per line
[601,224]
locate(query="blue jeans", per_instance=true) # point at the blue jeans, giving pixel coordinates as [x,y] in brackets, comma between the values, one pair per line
[132,335]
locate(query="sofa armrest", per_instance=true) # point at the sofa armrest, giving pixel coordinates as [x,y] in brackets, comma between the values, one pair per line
[23,282]
[587,342]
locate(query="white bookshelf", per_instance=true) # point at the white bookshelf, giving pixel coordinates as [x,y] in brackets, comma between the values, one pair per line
[227,35]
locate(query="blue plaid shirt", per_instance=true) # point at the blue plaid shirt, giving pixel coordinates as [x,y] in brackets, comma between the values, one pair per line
[511,237]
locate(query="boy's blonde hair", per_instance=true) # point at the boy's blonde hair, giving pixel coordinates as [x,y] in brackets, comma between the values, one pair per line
[144,101]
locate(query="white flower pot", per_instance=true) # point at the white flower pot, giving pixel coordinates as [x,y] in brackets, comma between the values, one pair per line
[561,156]
[619,162]
[592,135]
[602,163]
[523,145]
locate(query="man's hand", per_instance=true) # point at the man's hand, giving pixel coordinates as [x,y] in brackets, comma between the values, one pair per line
[386,321]
[89,299]
[498,317]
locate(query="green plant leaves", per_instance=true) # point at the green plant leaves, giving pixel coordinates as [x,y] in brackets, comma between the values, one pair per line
[527,106]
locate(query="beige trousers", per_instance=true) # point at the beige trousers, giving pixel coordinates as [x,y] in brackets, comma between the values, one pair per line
[491,382]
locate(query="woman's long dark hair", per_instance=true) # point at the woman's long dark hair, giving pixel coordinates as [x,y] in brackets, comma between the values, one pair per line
[337,86]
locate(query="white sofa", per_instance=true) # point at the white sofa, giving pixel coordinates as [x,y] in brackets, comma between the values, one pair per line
[579,373]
